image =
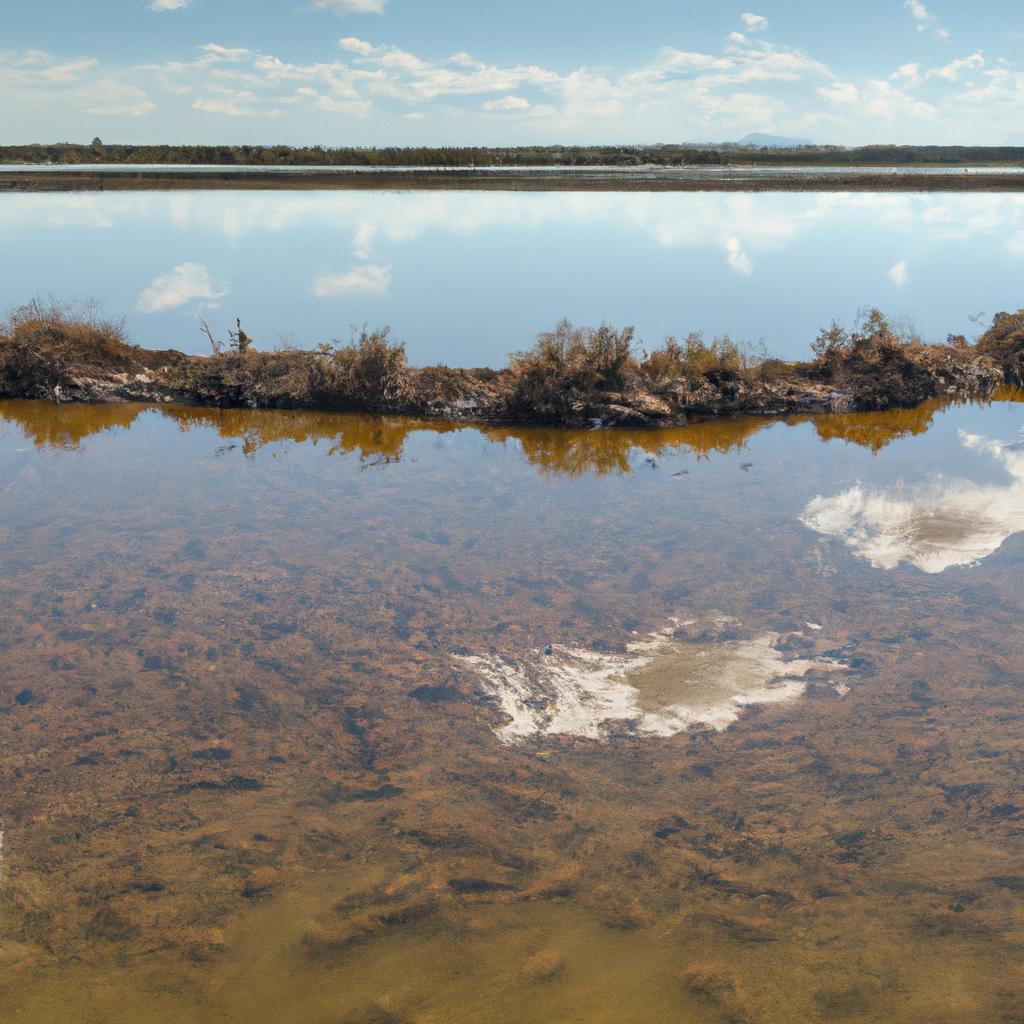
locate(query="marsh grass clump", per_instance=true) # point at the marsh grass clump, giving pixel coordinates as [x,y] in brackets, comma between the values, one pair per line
[693,358]
[874,336]
[1003,342]
[74,333]
[568,365]
[46,347]
[370,372]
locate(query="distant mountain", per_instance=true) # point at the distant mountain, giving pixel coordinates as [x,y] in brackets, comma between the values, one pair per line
[763,141]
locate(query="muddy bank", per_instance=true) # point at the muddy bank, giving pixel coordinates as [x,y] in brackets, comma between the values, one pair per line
[572,377]
[571,180]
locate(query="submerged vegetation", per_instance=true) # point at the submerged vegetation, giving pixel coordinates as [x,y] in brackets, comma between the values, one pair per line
[572,375]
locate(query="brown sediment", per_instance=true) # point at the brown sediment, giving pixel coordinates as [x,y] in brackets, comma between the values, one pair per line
[242,779]
[611,180]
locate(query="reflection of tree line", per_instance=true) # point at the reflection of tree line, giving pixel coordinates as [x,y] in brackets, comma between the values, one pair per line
[380,440]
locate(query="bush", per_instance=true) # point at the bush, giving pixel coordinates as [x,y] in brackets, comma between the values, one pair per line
[582,357]
[873,335]
[694,358]
[82,334]
[371,370]
[568,367]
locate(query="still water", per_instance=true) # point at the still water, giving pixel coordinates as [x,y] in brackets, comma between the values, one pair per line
[465,278]
[324,718]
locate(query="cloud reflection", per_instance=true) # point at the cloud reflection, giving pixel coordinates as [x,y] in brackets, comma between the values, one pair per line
[943,526]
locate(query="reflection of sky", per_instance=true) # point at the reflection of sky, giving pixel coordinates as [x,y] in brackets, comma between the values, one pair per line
[937,526]
[466,277]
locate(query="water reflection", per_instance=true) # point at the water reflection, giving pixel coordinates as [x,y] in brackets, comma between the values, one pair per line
[246,776]
[938,526]
[378,440]
[468,277]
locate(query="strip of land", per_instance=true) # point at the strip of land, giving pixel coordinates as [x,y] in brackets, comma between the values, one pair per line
[570,377]
[613,179]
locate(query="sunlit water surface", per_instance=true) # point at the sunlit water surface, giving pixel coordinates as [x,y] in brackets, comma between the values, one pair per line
[467,277]
[323,719]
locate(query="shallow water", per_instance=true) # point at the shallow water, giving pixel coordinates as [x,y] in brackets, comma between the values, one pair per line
[465,278]
[253,765]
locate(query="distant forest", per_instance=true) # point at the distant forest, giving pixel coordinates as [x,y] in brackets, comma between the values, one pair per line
[520,156]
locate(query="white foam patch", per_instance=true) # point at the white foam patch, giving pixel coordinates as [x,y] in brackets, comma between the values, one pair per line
[949,524]
[660,686]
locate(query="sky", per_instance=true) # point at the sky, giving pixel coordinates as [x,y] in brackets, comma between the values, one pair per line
[462,72]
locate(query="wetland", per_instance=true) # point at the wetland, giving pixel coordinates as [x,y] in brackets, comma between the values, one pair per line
[259,670]
[342,716]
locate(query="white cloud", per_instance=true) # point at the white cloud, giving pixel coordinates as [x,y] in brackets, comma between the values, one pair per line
[354,45]
[737,257]
[898,274]
[924,19]
[187,282]
[370,279]
[910,72]
[351,6]
[507,103]
[754,22]
[954,69]
[109,97]
[843,93]
[168,5]
[217,52]
[919,11]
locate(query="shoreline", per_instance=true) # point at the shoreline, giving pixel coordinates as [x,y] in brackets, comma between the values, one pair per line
[571,377]
[577,180]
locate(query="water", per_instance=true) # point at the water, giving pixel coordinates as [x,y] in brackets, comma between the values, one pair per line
[256,759]
[466,278]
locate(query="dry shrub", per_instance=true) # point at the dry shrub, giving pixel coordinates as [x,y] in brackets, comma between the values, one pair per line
[1004,343]
[370,372]
[76,334]
[873,336]
[568,366]
[694,358]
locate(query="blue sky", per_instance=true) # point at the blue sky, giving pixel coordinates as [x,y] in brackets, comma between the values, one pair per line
[408,72]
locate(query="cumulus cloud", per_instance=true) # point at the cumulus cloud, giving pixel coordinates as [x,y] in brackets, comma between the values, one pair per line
[354,45]
[351,6]
[754,22]
[939,527]
[168,5]
[507,103]
[898,274]
[369,279]
[187,282]
[954,70]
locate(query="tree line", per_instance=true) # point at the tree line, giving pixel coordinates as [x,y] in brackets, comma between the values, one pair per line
[663,155]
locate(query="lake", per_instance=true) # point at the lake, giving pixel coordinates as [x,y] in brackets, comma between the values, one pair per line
[338,718]
[466,278]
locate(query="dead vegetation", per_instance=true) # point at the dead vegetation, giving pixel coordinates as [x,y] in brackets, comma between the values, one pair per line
[571,376]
